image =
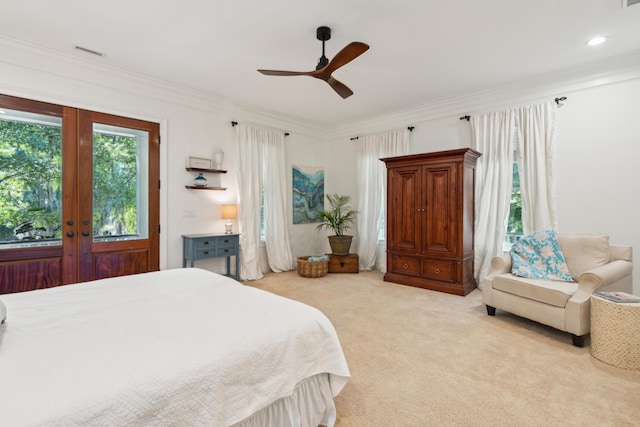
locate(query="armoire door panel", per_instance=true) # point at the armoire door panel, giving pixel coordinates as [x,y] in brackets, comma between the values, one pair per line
[403,190]
[440,221]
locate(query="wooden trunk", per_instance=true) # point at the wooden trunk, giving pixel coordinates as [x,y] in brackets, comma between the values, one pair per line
[343,263]
[430,220]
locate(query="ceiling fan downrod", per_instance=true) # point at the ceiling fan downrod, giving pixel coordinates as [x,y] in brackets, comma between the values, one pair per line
[323,34]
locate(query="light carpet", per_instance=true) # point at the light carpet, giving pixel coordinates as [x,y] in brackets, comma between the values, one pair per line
[424,358]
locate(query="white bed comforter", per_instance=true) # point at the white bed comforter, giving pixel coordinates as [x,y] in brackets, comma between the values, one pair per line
[176,347]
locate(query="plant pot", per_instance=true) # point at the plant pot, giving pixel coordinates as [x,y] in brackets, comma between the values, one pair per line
[340,245]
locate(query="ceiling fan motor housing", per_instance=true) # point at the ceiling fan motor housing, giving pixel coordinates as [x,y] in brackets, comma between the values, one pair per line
[323,33]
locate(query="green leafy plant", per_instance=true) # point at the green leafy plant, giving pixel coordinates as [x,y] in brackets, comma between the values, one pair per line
[340,217]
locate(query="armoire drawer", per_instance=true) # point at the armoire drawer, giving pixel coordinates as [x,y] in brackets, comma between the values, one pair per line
[439,270]
[405,265]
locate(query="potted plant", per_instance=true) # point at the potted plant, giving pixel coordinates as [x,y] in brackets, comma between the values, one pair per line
[339,219]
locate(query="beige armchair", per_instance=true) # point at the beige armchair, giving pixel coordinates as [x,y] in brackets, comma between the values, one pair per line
[593,263]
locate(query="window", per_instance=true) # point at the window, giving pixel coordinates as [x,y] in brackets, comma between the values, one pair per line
[514,223]
[30,177]
[120,182]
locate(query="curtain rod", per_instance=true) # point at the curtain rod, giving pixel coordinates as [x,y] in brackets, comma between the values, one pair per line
[410,128]
[558,101]
[234,124]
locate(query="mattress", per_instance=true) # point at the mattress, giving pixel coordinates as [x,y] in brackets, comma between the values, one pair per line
[175,347]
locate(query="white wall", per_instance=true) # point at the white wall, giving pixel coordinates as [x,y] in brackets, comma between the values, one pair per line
[598,140]
[597,149]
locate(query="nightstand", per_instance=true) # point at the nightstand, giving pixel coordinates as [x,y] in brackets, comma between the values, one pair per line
[204,246]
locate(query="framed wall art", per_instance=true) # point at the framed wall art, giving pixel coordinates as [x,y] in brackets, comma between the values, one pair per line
[308,194]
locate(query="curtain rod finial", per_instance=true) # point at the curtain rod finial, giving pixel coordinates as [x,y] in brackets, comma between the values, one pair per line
[467,118]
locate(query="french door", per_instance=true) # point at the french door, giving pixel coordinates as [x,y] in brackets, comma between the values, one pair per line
[79,195]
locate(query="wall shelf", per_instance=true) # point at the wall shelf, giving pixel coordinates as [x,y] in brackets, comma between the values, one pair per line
[193,187]
[206,170]
[202,170]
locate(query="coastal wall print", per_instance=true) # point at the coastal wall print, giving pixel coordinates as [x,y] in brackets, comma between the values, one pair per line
[308,194]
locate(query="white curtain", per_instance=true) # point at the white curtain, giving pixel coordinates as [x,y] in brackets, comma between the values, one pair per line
[262,164]
[372,187]
[279,253]
[492,136]
[536,128]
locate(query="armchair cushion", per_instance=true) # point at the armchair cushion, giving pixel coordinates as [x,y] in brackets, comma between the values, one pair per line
[555,293]
[538,256]
[584,252]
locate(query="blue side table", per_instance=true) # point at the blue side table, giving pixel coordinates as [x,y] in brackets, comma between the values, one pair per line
[204,246]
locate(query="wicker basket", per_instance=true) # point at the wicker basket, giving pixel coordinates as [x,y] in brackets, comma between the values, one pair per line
[312,268]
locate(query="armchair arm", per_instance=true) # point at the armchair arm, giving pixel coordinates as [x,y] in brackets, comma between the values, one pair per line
[615,275]
[501,264]
[605,275]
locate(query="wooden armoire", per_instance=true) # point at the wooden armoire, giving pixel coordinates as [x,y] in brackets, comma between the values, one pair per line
[430,220]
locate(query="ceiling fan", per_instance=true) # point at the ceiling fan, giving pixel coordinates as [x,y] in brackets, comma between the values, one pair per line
[325,67]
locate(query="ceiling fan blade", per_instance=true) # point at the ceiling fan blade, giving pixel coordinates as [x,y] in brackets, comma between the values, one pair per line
[339,87]
[285,73]
[346,55]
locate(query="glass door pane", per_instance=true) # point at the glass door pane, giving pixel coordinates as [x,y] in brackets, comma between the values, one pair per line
[120,183]
[30,179]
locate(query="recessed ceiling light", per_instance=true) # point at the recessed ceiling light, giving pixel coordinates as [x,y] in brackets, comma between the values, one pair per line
[596,41]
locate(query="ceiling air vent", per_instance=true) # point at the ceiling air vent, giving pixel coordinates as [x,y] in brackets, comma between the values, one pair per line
[86,50]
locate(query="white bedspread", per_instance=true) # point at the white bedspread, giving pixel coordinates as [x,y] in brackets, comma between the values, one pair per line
[177,347]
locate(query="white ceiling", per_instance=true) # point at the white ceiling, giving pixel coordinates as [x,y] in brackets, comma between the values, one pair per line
[422,51]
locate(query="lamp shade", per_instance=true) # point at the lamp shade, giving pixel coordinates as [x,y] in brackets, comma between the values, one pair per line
[229,211]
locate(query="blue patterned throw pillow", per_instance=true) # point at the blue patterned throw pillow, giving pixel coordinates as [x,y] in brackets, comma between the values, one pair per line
[538,256]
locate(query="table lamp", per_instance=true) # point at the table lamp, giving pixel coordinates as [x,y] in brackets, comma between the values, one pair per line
[229,212]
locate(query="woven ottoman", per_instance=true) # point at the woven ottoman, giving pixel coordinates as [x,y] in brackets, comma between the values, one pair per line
[615,332]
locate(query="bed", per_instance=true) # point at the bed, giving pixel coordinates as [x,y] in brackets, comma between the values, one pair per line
[170,348]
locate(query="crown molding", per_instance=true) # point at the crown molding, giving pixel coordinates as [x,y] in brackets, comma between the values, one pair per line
[81,70]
